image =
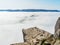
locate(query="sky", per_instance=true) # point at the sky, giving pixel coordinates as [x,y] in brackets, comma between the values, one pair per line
[29,4]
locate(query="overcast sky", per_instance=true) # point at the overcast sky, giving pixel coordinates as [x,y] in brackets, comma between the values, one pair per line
[24,4]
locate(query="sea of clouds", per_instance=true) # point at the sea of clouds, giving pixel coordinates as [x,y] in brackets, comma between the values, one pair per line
[12,23]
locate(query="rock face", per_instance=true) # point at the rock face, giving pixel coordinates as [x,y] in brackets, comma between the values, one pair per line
[57,28]
[36,36]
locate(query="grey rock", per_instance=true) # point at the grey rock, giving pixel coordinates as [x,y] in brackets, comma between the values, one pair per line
[57,29]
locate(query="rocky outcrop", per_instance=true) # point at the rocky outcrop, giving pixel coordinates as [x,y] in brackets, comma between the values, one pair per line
[36,36]
[57,28]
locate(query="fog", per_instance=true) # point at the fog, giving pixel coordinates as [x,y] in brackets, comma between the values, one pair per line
[12,23]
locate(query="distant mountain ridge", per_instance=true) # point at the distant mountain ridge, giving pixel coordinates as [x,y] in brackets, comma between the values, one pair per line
[29,10]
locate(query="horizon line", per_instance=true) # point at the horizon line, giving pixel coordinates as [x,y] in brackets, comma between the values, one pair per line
[29,10]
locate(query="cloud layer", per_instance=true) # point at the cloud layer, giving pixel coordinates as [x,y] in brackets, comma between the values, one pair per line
[12,23]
